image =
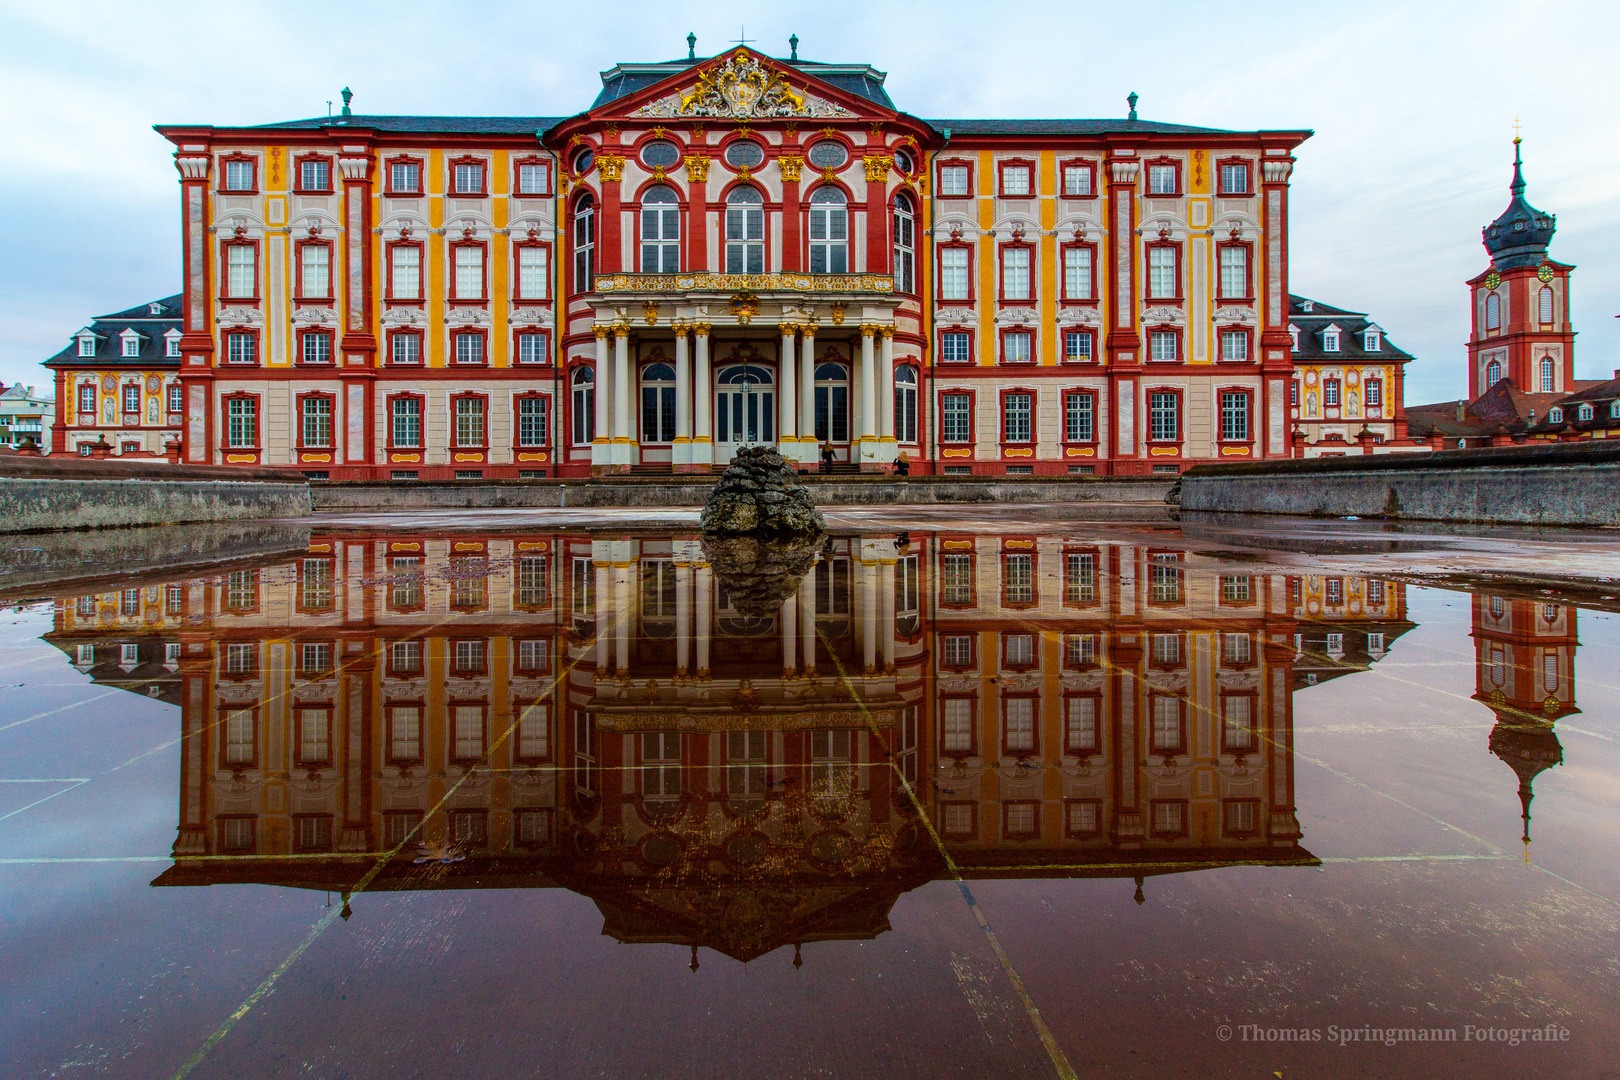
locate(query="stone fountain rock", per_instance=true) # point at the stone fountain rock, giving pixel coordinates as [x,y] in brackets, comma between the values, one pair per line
[761,531]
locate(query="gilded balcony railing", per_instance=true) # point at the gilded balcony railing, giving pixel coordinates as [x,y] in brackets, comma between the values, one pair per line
[754,283]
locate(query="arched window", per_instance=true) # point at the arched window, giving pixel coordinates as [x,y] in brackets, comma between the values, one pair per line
[584,406]
[905,404]
[1546,306]
[1547,386]
[658,404]
[1584,413]
[905,256]
[744,407]
[1493,374]
[745,231]
[584,243]
[832,403]
[1493,312]
[660,232]
[829,231]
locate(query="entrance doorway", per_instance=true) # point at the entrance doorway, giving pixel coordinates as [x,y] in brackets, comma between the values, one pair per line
[744,409]
[832,408]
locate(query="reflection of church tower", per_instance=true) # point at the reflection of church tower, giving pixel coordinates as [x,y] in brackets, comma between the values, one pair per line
[1521,327]
[1524,666]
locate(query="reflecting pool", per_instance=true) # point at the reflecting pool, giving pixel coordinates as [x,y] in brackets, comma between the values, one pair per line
[1080,799]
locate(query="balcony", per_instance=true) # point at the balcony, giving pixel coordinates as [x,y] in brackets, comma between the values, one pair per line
[822,284]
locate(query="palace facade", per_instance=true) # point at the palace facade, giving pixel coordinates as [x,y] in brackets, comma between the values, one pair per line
[730,251]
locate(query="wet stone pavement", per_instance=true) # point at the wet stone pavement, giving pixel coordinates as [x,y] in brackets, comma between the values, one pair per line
[978,798]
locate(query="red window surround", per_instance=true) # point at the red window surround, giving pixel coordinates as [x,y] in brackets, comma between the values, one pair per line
[1147,344]
[1032,332]
[1248,399]
[223,716]
[1178,283]
[1248,168]
[1033,293]
[1002,169]
[1147,414]
[326,758]
[1074,834]
[298,421]
[1034,415]
[517,174]
[973,415]
[455,350]
[421,346]
[1080,163]
[298,271]
[388,176]
[454,434]
[298,174]
[421,272]
[1096,416]
[421,404]
[1031,833]
[972,828]
[517,347]
[545,433]
[551,269]
[973,724]
[450,178]
[1147,175]
[312,336]
[1089,299]
[225,346]
[1248,344]
[253,173]
[304,567]
[225,420]
[483,250]
[1254,724]
[1153,816]
[225,272]
[939,266]
[972,344]
[1247,295]
[940,164]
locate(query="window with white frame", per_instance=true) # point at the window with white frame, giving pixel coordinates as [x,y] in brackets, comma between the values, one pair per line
[1015,181]
[1017,347]
[239,737]
[905,245]
[1548,375]
[1234,271]
[469,347]
[957,719]
[1080,725]
[1166,724]
[1017,413]
[1234,416]
[584,413]
[660,231]
[532,421]
[1076,180]
[241,271]
[1330,392]
[405,272]
[239,175]
[469,178]
[315,270]
[956,650]
[1162,278]
[1584,412]
[1164,416]
[317,347]
[1079,578]
[406,422]
[132,397]
[956,579]
[1077,347]
[1546,306]
[1493,311]
[177,399]
[316,421]
[241,348]
[1161,180]
[87,344]
[1372,341]
[1018,714]
[1077,282]
[953,180]
[1330,340]
[469,415]
[1079,417]
[584,244]
[1234,179]
[955,347]
[1237,723]
[469,271]
[956,418]
[467,728]
[1234,345]
[1015,283]
[905,403]
[745,230]
[1018,581]
[404,177]
[1164,345]
[1373,391]
[953,273]
[532,283]
[315,175]
[242,422]
[131,342]
[531,348]
[171,343]
[534,178]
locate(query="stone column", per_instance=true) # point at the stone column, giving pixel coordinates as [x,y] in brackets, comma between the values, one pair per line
[889,449]
[705,612]
[807,619]
[787,434]
[681,452]
[869,616]
[807,394]
[703,398]
[623,445]
[604,665]
[868,432]
[683,618]
[601,454]
[789,623]
[886,609]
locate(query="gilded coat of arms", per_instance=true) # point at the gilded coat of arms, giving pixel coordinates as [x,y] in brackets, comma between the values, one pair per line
[742,88]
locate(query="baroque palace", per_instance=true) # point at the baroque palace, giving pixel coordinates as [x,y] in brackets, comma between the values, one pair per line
[728,251]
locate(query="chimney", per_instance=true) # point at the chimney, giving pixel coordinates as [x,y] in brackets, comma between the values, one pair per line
[1460,409]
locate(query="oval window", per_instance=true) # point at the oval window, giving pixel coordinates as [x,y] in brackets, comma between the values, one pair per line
[903,162]
[660,154]
[827,154]
[744,155]
[583,161]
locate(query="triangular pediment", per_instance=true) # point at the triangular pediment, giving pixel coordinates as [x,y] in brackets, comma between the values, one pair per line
[745,87]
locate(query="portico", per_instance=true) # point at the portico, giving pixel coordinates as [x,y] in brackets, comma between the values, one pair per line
[692,367]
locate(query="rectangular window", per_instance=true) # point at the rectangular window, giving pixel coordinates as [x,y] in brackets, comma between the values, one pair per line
[316,269]
[405,274]
[1163,283]
[404,733]
[1017,417]
[533,729]
[176,398]
[953,273]
[314,832]
[469,348]
[1169,818]
[87,399]
[1161,180]
[171,344]
[1375,392]
[405,657]
[470,421]
[1017,347]
[1164,415]
[1166,650]
[1234,416]
[316,592]
[1237,723]
[1079,418]
[531,349]
[956,421]
[1238,649]
[238,176]
[469,272]
[1234,179]
[241,271]
[1079,580]
[469,179]
[1330,391]
[236,834]
[405,349]
[1240,815]
[532,421]
[1330,341]
[404,178]
[1015,273]
[315,175]
[407,422]
[956,650]
[954,348]
[958,725]
[132,398]
[469,657]
[1166,720]
[1018,735]
[1085,818]
[1077,347]
[317,421]
[467,723]
[317,347]
[953,180]
[956,580]
[1234,271]
[1015,181]
[1234,344]
[1018,583]
[240,659]
[534,179]
[532,271]
[132,345]
[1164,585]
[314,736]
[1080,725]
[533,582]
[1077,273]
[1076,180]
[1236,588]
[242,422]
[1164,345]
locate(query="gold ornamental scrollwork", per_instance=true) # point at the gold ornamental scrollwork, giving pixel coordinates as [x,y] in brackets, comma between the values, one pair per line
[788,329]
[817,283]
[650,314]
[745,305]
[611,166]
[701,329]
[790,164]
[697,168]
[877,167]
[870,329]
[838,314]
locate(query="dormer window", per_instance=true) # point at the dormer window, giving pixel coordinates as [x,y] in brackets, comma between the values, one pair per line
[87,344]
[1330,339]
[1293,332]
[171,343]
[131,343]
[1614,409]
[1555,415]
[154,309]
[1307,306]
[1372,341]
[1584,413]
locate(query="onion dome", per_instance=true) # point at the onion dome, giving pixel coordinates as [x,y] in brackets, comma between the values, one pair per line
[1521,235]
[1529,750]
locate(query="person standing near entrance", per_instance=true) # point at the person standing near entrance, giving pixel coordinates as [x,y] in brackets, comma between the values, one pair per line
[826,458]
[902,465]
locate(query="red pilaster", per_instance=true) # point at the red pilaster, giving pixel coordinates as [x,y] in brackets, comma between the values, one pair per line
[1123,344]
[196,305]
[1276,344]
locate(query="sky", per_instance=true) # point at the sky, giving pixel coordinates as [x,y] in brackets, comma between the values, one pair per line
[1412,104]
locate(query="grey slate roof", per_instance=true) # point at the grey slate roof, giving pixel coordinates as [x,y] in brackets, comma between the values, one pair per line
[1069,127]
[110,346]
[1350,323]
[854,79]
[458,125]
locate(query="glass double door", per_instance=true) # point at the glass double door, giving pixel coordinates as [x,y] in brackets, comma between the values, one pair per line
[744,409]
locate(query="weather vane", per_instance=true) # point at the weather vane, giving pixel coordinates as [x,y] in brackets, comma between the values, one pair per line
[742,38]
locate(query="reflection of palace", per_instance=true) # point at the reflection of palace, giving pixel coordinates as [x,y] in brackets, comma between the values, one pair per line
[595,713]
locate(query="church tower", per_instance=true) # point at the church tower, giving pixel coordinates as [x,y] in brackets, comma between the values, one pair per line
[1521,328]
